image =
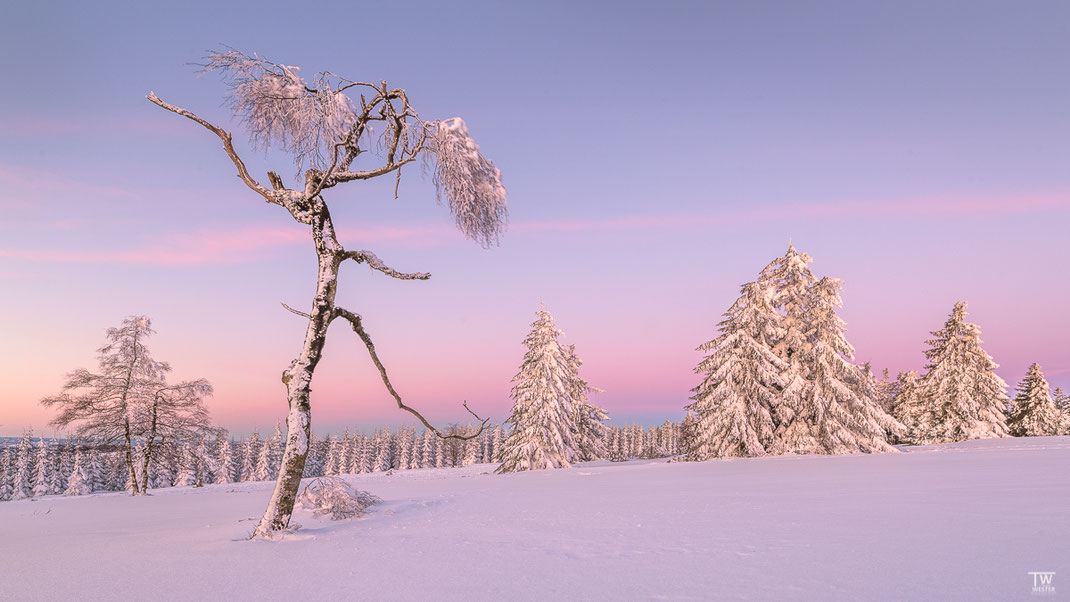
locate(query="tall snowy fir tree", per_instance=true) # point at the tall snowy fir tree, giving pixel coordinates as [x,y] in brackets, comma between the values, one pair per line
[590,428]
[788,280]
[834,417]
[780,378]
[732,409]
[543,415]
[961,395]
[1033,411]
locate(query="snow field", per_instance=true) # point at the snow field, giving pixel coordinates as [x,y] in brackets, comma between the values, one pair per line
[954,521]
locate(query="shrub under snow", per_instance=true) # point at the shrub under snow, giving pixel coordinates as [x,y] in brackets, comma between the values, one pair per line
[334,497]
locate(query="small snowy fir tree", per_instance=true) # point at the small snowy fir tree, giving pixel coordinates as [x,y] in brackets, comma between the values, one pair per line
[45,467]
[741,378]
[5,474]
[908,408]
[80,482]
[270,456]
[1034,413]
[963,398]
[250,451]
[224,466]
[543,415]
[590,429]
[1062,400]
[22,483]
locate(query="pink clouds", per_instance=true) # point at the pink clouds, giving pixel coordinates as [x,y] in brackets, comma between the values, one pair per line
[25,187]
[250,243]
[226,246]
[915,207]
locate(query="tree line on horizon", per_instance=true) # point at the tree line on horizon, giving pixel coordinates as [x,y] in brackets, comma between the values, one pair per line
[780,378]
[36,467]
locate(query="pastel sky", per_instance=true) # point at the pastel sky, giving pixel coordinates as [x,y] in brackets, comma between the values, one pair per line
[657,156]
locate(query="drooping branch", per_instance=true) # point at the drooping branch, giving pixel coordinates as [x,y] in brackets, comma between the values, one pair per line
[377,264]
[355,321]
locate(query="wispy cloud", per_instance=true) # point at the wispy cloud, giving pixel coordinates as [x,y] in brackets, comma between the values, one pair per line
[37,125]
[227,246]
[904,208]
[22,187]
[252,243]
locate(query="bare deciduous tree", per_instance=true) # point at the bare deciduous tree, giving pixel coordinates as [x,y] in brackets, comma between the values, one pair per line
[173,414]
[326,124]
[130,400]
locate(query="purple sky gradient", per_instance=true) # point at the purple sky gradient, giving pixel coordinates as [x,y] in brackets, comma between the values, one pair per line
[655,161]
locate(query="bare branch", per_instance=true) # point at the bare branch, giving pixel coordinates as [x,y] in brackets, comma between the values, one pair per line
[377,264]
[355,321]
[292,310]
[228,146]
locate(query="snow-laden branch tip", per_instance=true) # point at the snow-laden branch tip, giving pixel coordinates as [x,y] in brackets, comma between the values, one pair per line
[470,183]
[377,264]
[279,108]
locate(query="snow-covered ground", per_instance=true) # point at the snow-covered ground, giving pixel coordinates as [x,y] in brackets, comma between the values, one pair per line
[958,521]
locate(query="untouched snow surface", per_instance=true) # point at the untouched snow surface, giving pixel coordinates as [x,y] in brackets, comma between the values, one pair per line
[958,521]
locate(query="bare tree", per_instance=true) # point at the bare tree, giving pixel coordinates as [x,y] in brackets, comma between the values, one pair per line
[171,415]
[326,124]
[129,399]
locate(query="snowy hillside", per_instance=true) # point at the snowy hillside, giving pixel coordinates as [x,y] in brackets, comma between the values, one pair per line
[957,521]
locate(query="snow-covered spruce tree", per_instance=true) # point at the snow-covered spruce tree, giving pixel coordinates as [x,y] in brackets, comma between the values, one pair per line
[80,482]
[909,410]
[224,472]
[1033,412]
[250,451]
[834,417]
[45,467]
[5,474]
[787,281]
[1062,400]
[543,416]
[732,408]
[326,124]
[961,396]
[590,429]
[267,461]
[23,471]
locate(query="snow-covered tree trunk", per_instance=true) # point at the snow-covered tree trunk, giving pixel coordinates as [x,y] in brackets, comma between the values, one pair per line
[325,129]
[298,380]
